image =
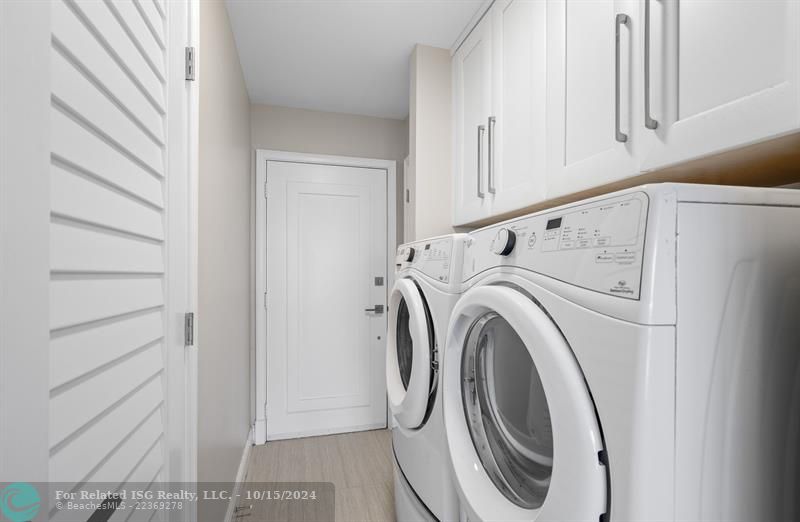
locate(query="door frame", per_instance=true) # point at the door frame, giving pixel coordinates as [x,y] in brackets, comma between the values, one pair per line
[260,255]
[181,255]
[24,276]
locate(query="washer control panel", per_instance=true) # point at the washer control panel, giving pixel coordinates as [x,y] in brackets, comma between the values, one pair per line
[596,245]
[431,257]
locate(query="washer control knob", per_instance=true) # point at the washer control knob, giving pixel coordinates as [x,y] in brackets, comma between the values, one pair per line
[504,242]
[410,254]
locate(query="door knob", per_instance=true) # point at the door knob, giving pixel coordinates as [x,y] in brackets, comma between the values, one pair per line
[378,309]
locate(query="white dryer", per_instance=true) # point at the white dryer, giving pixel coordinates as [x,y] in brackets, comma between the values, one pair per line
[635,356]
[427,284]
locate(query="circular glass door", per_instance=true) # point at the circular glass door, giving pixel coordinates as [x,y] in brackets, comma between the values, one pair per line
[404,343]
[410,353]
[521,427]
[507,412]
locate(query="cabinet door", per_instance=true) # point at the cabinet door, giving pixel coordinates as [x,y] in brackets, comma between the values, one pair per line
[472,74]
[517,136]
[585,150]
[723,74]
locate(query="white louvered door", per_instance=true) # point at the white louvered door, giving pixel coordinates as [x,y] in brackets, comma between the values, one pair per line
[121,219]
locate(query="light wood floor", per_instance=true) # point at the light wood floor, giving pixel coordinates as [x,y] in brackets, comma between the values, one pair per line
[358,464]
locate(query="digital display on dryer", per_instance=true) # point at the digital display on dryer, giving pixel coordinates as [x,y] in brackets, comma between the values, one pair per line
[553,223]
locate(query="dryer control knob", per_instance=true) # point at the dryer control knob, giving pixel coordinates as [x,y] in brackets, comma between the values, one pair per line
[504,242]
[410,254]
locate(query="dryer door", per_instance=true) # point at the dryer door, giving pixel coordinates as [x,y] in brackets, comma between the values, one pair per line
[523,434]
[410,352]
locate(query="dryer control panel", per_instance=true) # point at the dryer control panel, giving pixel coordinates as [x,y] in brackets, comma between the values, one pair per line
[597,245]
[432,258]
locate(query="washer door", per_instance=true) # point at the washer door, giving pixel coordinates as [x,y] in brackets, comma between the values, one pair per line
[521,426]
[409,354]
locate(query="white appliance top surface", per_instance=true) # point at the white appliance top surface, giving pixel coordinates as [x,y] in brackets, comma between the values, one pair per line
[692,192]
[696,193]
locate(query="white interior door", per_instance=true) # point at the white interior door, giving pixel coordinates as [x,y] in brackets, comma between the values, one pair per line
[122,273]
[325,246]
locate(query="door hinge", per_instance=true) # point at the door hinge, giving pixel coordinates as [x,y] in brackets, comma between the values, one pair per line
[265,300]
[190,68]
[265,189]
[188,329]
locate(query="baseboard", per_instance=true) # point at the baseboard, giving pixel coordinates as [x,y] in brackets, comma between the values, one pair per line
[332,431]
[241,474]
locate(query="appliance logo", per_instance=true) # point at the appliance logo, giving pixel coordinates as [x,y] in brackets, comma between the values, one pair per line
[622,288]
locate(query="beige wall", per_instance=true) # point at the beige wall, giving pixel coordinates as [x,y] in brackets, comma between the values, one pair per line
[430,141]
[300,130]
[224,266]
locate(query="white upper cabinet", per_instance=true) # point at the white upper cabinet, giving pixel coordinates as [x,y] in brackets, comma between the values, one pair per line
[722,75]
[555,97]
[499,93]
[518,126]
[472,91]
[593,115]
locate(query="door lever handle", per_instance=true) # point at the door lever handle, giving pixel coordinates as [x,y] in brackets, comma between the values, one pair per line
[378,309]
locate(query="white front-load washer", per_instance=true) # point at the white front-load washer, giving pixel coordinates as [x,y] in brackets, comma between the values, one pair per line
[427,285]
[635,356]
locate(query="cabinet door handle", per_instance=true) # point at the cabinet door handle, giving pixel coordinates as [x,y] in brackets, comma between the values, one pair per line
[622,19]
[492,121]
[649,122]
[481,130]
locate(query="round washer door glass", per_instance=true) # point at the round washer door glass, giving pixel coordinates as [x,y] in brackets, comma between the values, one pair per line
[405,344]
[507,411]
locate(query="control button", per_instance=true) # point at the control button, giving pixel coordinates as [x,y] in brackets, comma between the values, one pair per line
[504,242]
[604,258]
[532,240]
[601,241]
[625,258]
[583,243]
[567,245]
[410,254]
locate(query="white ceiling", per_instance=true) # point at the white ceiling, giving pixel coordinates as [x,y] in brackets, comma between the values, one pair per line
[346,56]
